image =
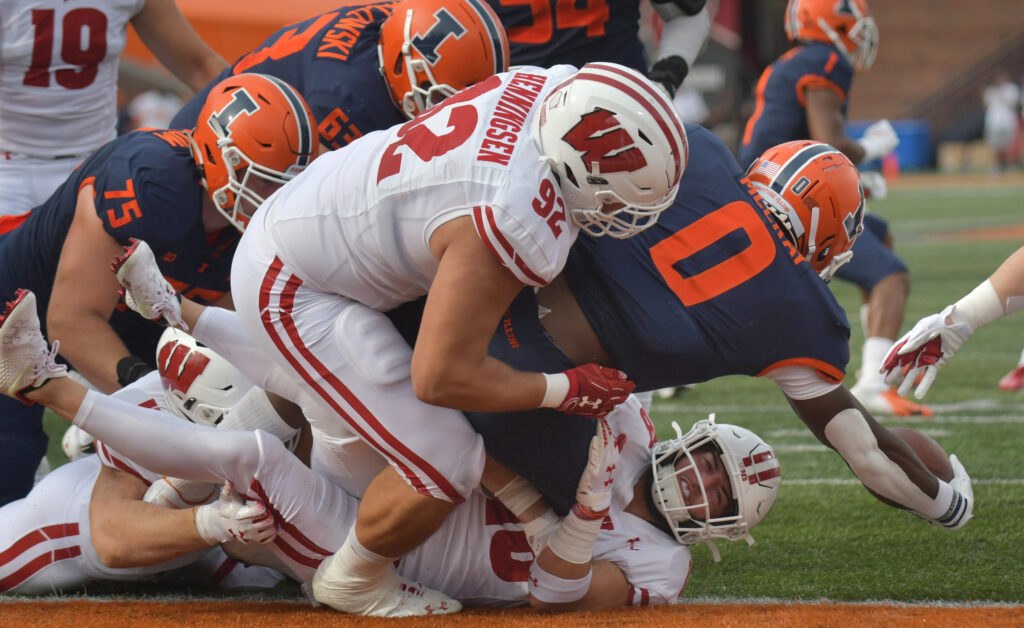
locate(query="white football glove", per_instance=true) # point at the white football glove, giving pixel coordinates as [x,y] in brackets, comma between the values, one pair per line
[875,187]
[961,510]
[232,517]
[878,141]
[594,492]
[923,350]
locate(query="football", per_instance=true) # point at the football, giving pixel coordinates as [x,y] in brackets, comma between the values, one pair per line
[930,452]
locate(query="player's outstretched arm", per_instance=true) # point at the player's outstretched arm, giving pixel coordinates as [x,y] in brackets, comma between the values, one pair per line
[884,463]
[915,359]
[173,41]
[450,366]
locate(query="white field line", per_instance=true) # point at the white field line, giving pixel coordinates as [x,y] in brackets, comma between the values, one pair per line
[944,412]
[719,601]
[733,601]
[855,481]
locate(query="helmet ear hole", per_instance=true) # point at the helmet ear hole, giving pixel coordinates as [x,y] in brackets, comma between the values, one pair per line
[569,175]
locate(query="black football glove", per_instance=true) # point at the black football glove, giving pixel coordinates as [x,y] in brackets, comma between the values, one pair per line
[670,72]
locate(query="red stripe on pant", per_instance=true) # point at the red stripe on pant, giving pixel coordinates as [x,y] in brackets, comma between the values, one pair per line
[30,540]
[286,304]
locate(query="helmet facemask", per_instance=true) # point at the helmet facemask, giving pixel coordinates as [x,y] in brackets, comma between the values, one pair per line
[237,199]
[671,458]
[423,92]
[864,39]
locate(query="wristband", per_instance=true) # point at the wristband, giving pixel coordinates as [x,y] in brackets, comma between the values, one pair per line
[574,540]
[556,390]
[131,368]
[539,529]
[551,589]
[205,518]
[980,307]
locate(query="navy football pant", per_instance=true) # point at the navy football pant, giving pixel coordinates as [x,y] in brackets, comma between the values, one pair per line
[872,261]
[22,446]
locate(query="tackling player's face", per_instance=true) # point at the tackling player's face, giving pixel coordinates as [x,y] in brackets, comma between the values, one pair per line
[715,477]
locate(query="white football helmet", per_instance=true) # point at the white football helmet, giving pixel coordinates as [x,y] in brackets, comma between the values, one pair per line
[753,471]
[199,384]
[612,136]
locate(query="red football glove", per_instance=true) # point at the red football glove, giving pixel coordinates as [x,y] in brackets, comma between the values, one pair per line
[595,390]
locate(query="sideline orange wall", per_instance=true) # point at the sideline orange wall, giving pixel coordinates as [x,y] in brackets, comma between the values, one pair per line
[234,27]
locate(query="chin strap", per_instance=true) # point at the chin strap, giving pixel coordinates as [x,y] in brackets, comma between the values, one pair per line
[834,264]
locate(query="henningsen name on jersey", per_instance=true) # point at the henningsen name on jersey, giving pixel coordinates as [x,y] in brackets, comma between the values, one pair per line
[506,123]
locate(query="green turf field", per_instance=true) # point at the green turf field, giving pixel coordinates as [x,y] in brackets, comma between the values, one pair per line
[827,537]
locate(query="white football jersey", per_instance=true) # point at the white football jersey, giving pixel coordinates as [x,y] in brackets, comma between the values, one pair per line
[58,73]
[480,555]
[358,221]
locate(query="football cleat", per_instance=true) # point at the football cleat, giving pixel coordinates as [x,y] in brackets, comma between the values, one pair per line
[1014,380]
[25,359]
[887,401]
[390,595]
[77,443]
[144,288]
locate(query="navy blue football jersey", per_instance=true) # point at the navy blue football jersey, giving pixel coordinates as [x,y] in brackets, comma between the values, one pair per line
[713,288]
[779,114]
[549,32]
[331,59]
[147,187]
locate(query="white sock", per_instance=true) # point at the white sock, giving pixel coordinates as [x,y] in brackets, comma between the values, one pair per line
[872,354]
[355,561]
[864,309]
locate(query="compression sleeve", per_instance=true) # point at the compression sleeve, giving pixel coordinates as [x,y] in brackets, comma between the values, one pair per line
[168,445]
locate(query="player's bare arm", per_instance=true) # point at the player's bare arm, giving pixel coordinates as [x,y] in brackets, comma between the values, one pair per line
[885,464]
[450,365]
[826,122]
[128,532]
[84,295]
[173,41]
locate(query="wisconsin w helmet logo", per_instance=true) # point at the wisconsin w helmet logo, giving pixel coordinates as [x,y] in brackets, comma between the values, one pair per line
[446,26]
[601,138]
[180,366]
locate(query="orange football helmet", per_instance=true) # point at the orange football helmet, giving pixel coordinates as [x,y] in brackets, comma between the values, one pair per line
[846,24]
[430,49]
[254,133]
[815,192]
